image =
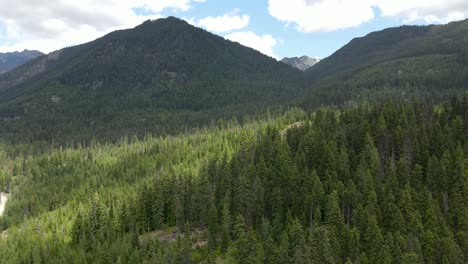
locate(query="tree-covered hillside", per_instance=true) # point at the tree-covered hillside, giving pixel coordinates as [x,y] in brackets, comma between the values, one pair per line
[418,60]
[384,183]
[162,76]
[167,144]
[166,76]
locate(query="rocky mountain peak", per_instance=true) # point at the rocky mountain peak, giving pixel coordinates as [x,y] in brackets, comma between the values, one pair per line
[302,63]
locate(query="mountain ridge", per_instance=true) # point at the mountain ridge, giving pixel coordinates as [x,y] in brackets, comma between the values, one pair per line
[391,44]
[407,60]
[11,60]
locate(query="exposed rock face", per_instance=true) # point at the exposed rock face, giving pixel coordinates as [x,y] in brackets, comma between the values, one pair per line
[12,60]
[303,63]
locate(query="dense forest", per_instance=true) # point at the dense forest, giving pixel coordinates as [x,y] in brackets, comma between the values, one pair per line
[367,183]
[168,144]
[161,77]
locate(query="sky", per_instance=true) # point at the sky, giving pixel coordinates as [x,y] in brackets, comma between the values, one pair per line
[277,28]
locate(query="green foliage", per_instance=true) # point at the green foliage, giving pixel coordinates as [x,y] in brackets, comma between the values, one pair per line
[362,184]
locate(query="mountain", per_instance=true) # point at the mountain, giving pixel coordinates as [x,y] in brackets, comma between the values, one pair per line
[166,76]
[404,59]
[303,63]
[162,75]
[12,60]
[378,181]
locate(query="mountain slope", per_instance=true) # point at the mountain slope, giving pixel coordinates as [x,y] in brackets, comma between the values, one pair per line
[11,60]
[303,63]
[432,56]
[386,176]
[159,74]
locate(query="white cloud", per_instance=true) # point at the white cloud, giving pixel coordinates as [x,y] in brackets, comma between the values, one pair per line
[228,22]
[331,15]
[233,21]
[430,11]
[264,43]
[54,24]
[321,15]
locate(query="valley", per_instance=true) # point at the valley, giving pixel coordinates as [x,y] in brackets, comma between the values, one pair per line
[165,143]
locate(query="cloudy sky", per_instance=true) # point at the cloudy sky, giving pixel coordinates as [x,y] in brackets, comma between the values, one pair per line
[277,28]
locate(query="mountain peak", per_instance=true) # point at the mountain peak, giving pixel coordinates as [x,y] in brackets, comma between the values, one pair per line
[303,63]
[161,21]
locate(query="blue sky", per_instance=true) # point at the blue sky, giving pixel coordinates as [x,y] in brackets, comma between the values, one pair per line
[291,42]
[278,28]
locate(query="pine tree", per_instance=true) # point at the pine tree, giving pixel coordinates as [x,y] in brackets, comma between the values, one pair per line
[373,241]
[212,227]
[246,248]
[321,249]
[284,249]
[258,201]
[77,229]
[403,172]
[95,216]
[271,251]
[226,225]
[157,205]
[317,198]
[296,238]
[333,214]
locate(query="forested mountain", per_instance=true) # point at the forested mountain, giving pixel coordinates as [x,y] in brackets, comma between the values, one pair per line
[166,76]
[410,59]
[11,60]
[366,184]
[167,144]
[163,75]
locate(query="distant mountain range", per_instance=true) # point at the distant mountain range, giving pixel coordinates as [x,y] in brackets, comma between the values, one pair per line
[303,63]
[12,60]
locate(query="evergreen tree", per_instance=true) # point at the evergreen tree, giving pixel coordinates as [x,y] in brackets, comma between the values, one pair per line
[212,227]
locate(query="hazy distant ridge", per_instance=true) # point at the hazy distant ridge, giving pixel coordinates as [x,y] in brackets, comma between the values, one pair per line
[12,60]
